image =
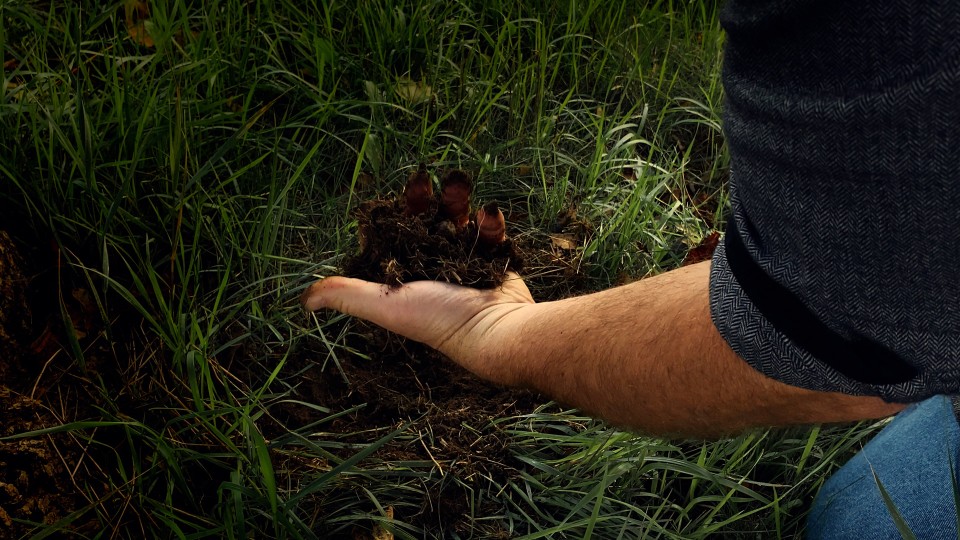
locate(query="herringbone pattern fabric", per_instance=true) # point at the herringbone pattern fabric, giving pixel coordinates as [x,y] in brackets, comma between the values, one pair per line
[843,122]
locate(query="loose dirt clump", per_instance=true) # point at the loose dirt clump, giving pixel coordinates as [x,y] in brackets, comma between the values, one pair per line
[421,238]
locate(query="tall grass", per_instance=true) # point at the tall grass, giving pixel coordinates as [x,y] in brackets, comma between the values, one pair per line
[195,185]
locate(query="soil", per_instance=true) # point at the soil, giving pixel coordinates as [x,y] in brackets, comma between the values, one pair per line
[447,412]
[37,484]
[396,381]
[397,248]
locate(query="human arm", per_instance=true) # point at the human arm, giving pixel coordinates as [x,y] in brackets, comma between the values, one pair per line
[645,355]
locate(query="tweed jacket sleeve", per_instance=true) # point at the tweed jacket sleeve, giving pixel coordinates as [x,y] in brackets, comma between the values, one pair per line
[840,268]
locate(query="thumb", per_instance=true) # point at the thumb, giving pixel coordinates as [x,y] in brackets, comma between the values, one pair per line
[424,311]
[347,295]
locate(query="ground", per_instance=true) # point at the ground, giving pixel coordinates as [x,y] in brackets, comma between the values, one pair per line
[391,382]
[36,484]
[450,408]
[36,473]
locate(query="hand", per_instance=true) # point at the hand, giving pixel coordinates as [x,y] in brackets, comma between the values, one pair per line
[468,325]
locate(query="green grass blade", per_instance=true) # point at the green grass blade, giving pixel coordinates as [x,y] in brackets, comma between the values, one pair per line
[324,480]
[955,485]
[898,521]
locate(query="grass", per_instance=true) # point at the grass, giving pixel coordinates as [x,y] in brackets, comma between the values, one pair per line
[194,185]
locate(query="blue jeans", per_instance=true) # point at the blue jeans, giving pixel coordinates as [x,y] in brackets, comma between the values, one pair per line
[912,457]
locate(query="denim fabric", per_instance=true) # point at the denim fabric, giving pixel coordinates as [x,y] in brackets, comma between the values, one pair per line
[912,458]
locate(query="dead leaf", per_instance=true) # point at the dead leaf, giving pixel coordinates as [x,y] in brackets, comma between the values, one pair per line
[564,241]
[472,140]
[414,92]
[378,532]
[140,35]
[234,104]
[564,218]
[624,278]
[83,313]
[135,9]
[181,37]
[136,14]
[703,251]
[86,301]
[46,342]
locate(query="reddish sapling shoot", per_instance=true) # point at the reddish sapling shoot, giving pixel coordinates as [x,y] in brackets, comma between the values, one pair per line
[491,227]
[455,189]
[418,192]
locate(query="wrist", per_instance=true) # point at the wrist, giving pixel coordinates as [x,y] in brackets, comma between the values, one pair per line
[494,348]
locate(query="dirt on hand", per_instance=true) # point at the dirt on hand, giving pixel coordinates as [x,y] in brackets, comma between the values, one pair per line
[425,237]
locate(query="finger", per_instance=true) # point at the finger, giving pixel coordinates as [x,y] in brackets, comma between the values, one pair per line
[367,300]
[348,295]
[408,310]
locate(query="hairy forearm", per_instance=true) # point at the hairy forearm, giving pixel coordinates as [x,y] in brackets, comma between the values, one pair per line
[647,356]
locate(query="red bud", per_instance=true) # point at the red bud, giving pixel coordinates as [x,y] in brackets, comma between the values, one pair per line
[455,189]
[491,227]
[418,192]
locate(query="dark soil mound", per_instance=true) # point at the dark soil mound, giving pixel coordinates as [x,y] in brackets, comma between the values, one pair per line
[398,245]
